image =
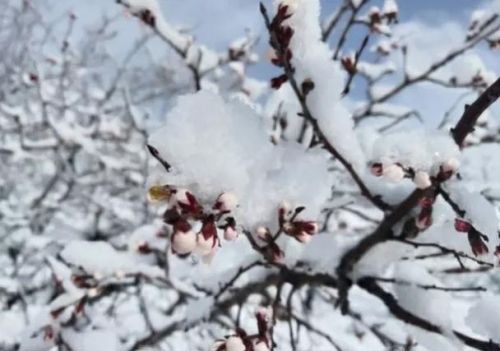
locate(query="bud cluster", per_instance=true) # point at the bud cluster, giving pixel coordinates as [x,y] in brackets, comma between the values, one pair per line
[289,224]
[242,341]
[349,63]
[184,213]
[475,237]
[377,17]
[395,172]
[424,218]
[281,36]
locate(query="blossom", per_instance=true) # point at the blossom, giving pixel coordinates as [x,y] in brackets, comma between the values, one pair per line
[422,180]
[226,202]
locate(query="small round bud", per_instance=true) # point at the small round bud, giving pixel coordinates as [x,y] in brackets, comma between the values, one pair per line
[226,202]
[230,233]
[183,242]
[451,165]
[234,343]
[262,233]
[377,169]
[260,345]
[394,173]
[204,246]
[93,292]
[422,180]
[303,237]
[180,196]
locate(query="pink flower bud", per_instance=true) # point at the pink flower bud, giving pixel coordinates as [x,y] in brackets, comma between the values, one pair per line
[476,243]
[205,245]
[209,230]
[263,316]
[394,173]
[180,196]
[462,225]
[181,225]
[187,202]
[310,227]
[283,212]
[451,165]
[426,202]
[424,219]
[263,313]
[226,202]
[235,343]
[377,169]
[275,254]
[183,243]
[207,259]
[230,233]
[143,248]
[263,233]
[422,180]
[218,345]
[260,345]
[303,237]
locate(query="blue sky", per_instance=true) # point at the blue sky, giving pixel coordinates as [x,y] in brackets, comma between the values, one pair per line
[216,23]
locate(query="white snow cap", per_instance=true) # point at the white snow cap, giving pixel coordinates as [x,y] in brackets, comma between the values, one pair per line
[419,149]
[390,6]
[393,173]
[222,147]
[312,59]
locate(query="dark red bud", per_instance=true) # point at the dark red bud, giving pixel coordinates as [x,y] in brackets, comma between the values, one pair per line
[462,226]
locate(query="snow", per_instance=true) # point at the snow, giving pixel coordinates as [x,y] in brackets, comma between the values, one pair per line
[98,257]
[199,309]
[147,234]
[375,70]
[11,326]
[419,149]
[93,340]
[220,150]
[312,59]
[484,317]
[164,28]
[428,304]
[379,259]
[479,211]
[217,146]
[390,6]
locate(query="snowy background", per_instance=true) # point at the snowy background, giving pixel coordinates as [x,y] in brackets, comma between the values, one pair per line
[171,180]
